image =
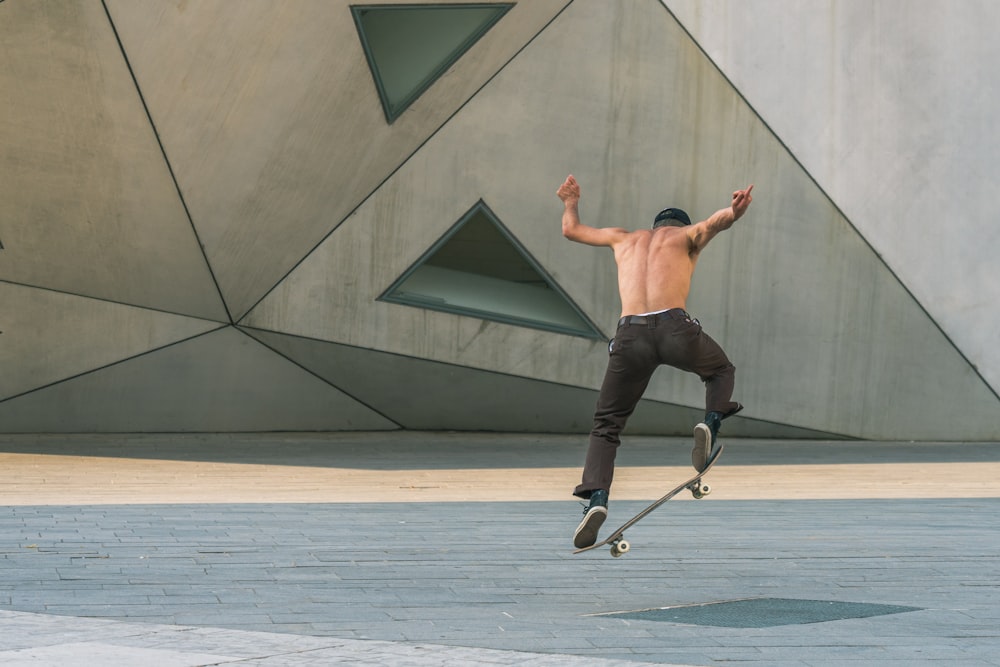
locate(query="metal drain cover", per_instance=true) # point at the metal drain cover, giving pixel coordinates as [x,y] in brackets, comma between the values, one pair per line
[762,612]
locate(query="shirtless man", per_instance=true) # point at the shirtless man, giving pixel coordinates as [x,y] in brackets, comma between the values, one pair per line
[654,277]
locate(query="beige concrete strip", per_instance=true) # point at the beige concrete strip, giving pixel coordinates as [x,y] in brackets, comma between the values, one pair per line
[832,481]
[52,479]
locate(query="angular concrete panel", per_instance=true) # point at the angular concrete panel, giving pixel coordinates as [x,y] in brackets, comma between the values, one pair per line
[272,122]
[425,395]
[49,336]
[823,335]
[87,204]
[221,381]
[890,106]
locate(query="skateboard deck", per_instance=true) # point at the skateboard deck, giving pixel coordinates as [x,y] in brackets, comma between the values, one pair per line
[616,539]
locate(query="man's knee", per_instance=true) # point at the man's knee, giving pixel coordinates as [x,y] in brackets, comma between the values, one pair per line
[726,371]
[607,431]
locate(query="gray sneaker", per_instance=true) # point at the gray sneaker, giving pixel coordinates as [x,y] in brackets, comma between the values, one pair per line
[593,518]
[702,447]
[705,435]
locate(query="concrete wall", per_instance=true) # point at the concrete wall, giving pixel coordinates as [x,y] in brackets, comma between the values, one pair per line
[891,107]
[241,203]
[887,106]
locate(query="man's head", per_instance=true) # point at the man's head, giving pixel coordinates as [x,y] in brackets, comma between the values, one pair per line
[673,217]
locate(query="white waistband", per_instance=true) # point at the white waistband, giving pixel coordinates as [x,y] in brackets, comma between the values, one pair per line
[655,312]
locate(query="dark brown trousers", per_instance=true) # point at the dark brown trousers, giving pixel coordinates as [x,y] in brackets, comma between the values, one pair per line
[642,344]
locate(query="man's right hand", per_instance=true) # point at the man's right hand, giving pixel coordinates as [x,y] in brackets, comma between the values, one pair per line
[569,191]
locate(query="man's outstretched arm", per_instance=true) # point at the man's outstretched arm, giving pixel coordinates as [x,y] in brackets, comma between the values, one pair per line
[575,230]
[703,232]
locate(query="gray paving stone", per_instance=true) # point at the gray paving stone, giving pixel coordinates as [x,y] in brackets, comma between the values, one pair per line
[97,654]
[80,642]
[388,579]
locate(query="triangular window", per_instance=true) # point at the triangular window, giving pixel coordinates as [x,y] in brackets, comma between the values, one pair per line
[478,268]
[410,46]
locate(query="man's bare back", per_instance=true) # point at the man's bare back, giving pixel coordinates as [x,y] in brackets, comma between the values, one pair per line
[654,270]
[654,265]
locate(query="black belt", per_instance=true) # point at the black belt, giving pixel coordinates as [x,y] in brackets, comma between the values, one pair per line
[651,320]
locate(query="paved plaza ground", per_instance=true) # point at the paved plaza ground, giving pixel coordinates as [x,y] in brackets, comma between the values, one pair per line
[455,549]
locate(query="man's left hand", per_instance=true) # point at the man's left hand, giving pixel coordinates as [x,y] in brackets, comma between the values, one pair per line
[741,201]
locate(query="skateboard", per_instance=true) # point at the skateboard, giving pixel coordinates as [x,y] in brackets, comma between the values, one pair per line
[619,546]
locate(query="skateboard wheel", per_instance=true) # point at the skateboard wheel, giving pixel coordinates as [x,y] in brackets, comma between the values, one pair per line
[701,491]
[619,548]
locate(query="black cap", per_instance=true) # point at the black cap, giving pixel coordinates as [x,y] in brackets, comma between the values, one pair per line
[665,217]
